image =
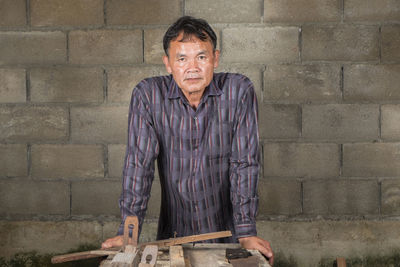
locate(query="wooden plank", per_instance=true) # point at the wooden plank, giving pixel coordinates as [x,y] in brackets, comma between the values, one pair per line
[82,255]
[176,256]
[131,223]
[188,239]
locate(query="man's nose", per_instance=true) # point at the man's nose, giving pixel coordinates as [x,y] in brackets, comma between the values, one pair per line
[193,65]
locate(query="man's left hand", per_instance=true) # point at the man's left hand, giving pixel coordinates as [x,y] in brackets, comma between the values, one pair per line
[254,242]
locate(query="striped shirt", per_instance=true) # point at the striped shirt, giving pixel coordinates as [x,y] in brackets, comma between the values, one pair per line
[208,158]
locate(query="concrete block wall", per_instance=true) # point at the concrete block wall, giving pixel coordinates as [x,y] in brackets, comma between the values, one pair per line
[326,74]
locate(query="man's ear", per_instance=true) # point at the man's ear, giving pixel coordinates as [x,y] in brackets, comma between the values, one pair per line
[216,58]
[166,64]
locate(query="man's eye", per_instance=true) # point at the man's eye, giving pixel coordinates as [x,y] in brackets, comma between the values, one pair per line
[202,57]
[181,59]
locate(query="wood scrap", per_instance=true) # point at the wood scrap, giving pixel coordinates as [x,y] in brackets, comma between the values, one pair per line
[176,256]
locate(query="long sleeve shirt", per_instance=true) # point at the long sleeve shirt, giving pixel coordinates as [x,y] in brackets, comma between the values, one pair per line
[208,158]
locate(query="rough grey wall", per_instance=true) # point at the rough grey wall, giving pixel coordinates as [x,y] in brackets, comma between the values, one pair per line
[327,75]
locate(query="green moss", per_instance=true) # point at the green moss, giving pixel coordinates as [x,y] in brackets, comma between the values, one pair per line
[33,259]
[280,260]
[389,260]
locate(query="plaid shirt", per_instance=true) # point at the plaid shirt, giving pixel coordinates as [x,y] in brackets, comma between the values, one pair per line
[208,158]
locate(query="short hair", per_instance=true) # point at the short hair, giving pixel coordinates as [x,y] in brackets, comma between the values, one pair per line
[189,26]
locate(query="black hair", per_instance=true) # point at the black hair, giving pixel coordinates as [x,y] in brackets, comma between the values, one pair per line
[189,26]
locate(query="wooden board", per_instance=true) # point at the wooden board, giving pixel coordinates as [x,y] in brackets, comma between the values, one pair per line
[200,255]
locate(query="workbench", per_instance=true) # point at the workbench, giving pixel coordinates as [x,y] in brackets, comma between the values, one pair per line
[199,255]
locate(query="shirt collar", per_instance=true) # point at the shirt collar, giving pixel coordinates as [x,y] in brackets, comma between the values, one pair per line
[211,90]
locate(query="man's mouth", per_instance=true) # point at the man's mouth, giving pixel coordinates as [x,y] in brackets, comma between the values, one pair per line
[193,79]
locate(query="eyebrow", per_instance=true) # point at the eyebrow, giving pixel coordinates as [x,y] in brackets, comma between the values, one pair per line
[202,52]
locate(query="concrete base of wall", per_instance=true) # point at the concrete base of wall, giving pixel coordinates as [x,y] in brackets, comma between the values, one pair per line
[306,242]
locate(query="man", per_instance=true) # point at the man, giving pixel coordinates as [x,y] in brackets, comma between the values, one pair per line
[202,129]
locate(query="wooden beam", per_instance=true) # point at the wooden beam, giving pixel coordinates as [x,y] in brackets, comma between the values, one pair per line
[188,239]
[82,255]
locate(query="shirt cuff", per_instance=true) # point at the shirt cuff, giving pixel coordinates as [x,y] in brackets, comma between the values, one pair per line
[245,230]
[121,228]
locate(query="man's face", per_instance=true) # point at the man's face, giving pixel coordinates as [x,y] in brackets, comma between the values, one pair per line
[191,63]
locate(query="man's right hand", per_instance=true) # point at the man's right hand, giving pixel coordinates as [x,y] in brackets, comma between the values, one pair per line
[116,241]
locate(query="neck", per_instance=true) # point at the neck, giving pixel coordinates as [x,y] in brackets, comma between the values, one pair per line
[194,98]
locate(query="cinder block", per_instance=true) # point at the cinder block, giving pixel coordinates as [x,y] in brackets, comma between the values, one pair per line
[279,121]
[267,45]
[13,160]
[7,229]
[153,45]
[302,11]
[154,204]
[373,83]
[390,128]
[116,157]
[251,71]
[64,84]
[66,13]
[33,47]
[391,197]
[122,12]
[372,10]
[340,43]
[121,81]
[371,160]
[301,160]
[12,12]
[27,198]
[60,236]
[390,42]
[67,161]
[309,241]
[341,197]
[156,173]
[302,83]
[95,198]
[106,124]
[279,197]
[33,123]
[110,228]
[219,11]
[12,85]
[341,122]
[106,47]
[149,231]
